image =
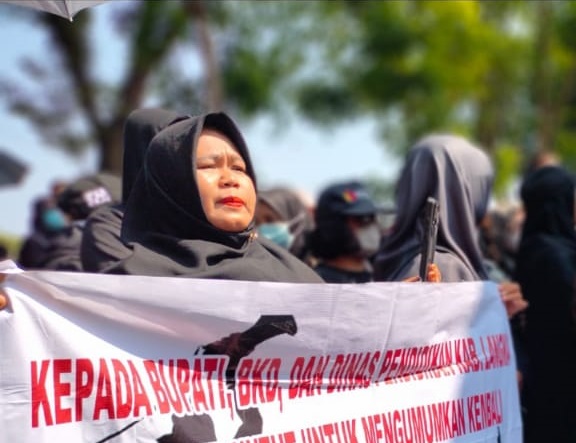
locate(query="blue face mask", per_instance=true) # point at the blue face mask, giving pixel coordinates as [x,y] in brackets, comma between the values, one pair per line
[278,232]
[53,219]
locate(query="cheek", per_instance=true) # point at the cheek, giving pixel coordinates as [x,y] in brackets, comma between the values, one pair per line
[205,187]
[250,197]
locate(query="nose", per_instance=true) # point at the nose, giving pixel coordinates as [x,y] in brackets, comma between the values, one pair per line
[228,178]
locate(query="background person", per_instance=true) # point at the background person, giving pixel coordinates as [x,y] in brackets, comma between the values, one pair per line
[346,235]
[52,240]
[459,175]
[282,217]
[546,271]
[102,245]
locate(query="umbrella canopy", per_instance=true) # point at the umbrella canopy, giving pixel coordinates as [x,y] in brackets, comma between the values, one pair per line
[12,171]
[63,8]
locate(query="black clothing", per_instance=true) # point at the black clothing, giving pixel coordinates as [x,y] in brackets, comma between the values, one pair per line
[56,251]
[546,271]
[101,244]
[140,128]
[87,193]
[50,246]
[331,274]
[166,226]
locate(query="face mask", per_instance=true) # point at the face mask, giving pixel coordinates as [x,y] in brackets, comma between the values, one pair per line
[279,233]
[369,239]
[53,219]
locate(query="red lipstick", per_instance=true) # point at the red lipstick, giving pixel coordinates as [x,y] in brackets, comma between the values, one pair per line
[232,201]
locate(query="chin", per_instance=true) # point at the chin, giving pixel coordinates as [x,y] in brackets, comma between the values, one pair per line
[232,227]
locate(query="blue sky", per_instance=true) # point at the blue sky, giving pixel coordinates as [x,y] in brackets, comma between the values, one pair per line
[302,156]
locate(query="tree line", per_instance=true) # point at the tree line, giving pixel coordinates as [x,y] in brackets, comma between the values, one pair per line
[502,73]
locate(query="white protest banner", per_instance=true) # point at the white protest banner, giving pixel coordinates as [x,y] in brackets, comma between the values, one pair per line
[98,358]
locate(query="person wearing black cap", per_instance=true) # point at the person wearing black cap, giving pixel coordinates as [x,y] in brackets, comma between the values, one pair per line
[59,226]
[81,197]
[346,235]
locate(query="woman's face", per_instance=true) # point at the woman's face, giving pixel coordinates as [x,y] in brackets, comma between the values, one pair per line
[226,190]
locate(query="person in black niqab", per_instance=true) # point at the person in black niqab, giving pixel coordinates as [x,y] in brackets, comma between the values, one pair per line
[546,271]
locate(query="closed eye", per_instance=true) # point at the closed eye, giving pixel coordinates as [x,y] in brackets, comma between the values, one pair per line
[205,165]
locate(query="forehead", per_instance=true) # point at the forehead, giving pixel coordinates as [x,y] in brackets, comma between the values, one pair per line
[211,140]
[265,209]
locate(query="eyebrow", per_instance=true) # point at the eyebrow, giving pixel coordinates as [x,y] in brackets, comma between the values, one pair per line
[234,155]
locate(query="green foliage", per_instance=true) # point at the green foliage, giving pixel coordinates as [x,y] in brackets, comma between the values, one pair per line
[251,78]
[381,190]
[566,149]
[12,244]
[159,25]
[508,162]
[503,73]
[326,104]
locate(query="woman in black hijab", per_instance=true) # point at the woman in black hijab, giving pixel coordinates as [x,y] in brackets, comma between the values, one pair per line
[191,210]
[546,271]
[101,243]
[190,213]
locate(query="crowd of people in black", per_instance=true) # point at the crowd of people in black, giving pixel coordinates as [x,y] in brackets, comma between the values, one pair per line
[188,205]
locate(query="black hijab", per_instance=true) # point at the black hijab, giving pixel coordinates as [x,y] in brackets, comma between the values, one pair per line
[548,197]
[546,271]
[140,128]
[101,242]
[166,225]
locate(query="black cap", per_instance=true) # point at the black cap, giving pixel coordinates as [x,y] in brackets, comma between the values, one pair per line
[87,193]
[348,199]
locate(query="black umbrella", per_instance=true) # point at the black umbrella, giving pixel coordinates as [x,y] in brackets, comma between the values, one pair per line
[63,8]
[12,171]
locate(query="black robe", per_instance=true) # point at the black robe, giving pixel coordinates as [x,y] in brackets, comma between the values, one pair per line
[546,271]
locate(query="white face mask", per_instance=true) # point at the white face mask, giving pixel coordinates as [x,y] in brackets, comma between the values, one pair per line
[369,239]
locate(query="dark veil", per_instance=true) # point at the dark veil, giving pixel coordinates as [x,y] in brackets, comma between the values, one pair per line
[101,242]
[166,226]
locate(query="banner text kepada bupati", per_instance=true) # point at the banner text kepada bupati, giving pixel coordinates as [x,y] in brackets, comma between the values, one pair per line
[95,358]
